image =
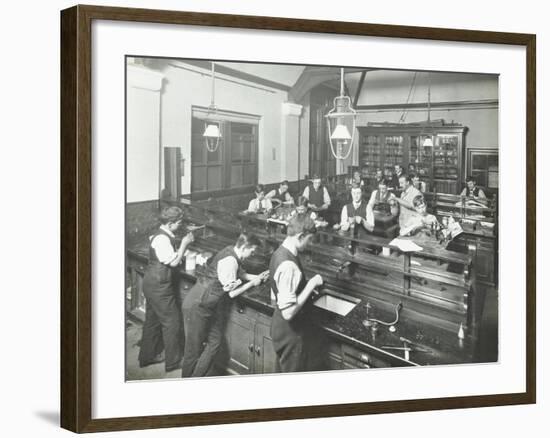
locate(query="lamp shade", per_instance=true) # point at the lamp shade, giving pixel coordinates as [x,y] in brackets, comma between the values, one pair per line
[212,131]
[428,142]
[341,133]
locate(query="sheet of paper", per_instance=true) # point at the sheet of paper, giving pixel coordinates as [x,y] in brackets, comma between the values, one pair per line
[405,245]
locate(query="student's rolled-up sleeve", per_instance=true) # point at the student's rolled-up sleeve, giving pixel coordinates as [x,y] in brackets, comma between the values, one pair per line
[287,278]
[163,249]
[227,272]
[326,196]
[344,216]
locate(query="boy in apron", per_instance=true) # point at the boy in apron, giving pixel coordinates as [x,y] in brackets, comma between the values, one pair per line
[292,332]
[161,329]
[205,307]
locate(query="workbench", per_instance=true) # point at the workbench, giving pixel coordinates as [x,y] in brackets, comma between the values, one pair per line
[432,292]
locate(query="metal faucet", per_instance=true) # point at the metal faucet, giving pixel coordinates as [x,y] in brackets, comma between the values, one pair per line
[342,267]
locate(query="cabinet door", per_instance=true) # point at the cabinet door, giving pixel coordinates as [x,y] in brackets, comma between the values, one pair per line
[420,159]
[393,151]
[135,299]
[334,356]
[485,261]
[265,360]
[447,163]
[370,155]
[240,341]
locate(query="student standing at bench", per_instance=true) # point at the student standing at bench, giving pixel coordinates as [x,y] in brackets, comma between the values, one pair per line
[205,307]
[161,328]
[293,333]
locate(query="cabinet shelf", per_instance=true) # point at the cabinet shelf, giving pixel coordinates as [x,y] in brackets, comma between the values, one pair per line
[440,166]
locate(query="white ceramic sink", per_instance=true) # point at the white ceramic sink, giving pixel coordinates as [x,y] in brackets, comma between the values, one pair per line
[336,303]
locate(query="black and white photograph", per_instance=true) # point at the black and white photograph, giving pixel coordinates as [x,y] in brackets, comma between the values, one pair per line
[287,218]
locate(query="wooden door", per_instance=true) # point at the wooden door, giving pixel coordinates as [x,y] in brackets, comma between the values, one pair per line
[172,173]
[207,168]
[321,160]
[242,156]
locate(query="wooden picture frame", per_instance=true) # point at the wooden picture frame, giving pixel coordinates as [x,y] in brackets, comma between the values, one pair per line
[76,217]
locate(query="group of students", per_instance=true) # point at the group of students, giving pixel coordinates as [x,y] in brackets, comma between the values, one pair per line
[391,178]
[409,208]
[314,198]
[188,334]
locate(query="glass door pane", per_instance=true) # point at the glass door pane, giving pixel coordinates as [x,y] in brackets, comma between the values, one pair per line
[446,157]
[420,158]
[393,150]
[369,156]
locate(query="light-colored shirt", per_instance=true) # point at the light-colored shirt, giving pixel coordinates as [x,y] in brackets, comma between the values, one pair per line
[404,214]
[422,187]
[163,248]
[277,192]
[372,199]
[417,222]
[326,196]
[228,273]
[287,277]
[255,204]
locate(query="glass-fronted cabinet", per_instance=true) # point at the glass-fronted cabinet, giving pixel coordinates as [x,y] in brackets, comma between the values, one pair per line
[369,156]
[393,150]
[440,167]
[420,157]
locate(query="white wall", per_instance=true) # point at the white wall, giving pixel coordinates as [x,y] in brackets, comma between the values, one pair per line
[143,134]
[392,87]
[184,88]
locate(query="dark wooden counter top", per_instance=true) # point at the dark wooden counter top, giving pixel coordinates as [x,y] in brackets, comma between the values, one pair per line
[441,346]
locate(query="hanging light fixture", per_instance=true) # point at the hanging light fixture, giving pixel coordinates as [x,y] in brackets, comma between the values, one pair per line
[212,132]
[340,121]
[428,141]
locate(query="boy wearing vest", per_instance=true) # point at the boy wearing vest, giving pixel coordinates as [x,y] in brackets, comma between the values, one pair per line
[292,332]
[317,195]
[162,314]
[205,307]
[380,198]
[472,191]
[418,184]
[356,211]
[281,195]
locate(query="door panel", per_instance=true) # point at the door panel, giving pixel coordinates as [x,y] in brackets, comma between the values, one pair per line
[240,342]
[265,360]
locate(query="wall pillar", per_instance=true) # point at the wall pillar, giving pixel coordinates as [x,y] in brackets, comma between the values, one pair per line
[143,155]
[290,141]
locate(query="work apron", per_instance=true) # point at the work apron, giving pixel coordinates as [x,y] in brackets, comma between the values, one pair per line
[161,329]
[204,311]
[294,341]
